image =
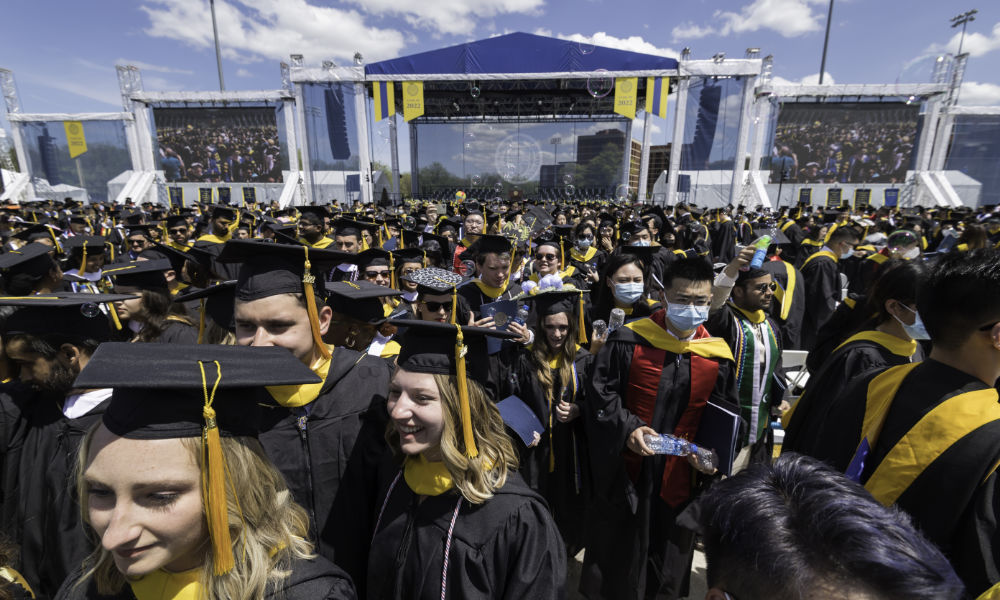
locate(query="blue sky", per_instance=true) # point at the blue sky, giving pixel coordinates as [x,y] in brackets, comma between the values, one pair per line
[63,53]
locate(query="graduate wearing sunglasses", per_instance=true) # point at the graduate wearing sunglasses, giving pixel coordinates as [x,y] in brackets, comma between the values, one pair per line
[739,315]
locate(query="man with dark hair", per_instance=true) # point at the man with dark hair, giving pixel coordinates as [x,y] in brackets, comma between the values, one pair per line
[654,375]
[930,440]
[312,227]
[740,301]
[493,259]
[50,339]
[822,281]
[798,529]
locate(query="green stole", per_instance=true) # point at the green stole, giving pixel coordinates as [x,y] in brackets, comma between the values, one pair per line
[753,380]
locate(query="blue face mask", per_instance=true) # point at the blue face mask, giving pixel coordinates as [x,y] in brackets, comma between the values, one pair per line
[584,243]
[642,243]
[917,331]
[847,254]
[628,293]
[687,316]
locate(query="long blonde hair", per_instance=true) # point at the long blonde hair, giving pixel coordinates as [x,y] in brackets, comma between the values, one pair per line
[475,478]
[541,354]
[268,528]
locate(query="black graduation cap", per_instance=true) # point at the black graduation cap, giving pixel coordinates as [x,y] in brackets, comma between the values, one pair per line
[447,349]
[490,244]
[84,243]
[567,299]
[408,255]
[645,253]
[141,275]
[170,391]
[163,252]
[143,229]
[36,232]
[270,269]
[372,256]
[444,245]
[360,300]
[176,221]
[217,303]
[319,211]
[444,222]
[434,281]
[223,211]
[30,258]
[65,316]
[345,226]
[411,237]
[630,228]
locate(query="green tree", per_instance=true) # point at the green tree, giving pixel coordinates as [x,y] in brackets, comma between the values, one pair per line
[603,170]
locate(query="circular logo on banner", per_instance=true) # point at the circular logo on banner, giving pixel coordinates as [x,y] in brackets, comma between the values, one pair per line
[74,128]
[627,86]
[411,89]
[518,158]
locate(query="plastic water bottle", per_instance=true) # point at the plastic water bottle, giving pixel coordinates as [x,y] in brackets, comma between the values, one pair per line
[600,330]
[761,245]
[706,460]
[522,315]
[617,319]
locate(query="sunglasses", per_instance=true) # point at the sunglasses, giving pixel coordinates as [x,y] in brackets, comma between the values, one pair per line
[766,286]
[545,256]
[374,274]
[437,306]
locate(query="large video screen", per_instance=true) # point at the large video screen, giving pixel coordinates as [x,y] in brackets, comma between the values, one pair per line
[237,145]
[844,142]
[558,160]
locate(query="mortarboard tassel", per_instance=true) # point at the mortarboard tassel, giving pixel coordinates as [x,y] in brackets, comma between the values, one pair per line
[463,395]
[582,325]
[392,272]
[213,481]
[83,261]
[308,280]
[454,304]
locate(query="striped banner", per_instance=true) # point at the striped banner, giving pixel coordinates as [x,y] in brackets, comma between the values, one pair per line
[385,99]
[656,95]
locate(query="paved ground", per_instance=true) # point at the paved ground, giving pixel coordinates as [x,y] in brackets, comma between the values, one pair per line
[698,585]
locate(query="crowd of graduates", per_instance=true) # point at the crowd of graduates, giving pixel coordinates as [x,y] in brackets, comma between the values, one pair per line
[459,400]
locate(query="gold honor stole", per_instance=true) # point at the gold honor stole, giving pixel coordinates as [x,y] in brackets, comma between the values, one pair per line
[575,254]
[825,253]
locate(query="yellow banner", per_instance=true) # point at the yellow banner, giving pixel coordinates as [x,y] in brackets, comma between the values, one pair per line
[75,138]
[413,99]
[625,93]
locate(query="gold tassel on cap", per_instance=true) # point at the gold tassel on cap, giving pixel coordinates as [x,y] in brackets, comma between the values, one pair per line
[213,481]
[581,324]
[454,304]
[308,281]
[463,395]
[392,272]
[83,261]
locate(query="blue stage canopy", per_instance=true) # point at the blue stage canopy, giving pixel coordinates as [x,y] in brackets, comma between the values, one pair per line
[516,55]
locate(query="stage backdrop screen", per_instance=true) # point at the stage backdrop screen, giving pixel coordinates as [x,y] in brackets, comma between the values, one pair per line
[571,160]
[844,142]
[235,145]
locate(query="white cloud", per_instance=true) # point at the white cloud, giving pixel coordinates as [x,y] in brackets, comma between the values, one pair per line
[251,30]
[105,94]
[144,66]
[241,72]
[691,31]
[788,18]
[448,16]
[976,44]
[633,43]
[979,94]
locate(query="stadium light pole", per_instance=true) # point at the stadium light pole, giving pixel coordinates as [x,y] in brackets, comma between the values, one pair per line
[826,42]
[218,53]
[963,19]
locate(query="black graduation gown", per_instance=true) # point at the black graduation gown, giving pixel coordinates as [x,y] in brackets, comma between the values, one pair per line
[329,452]
[476,298]
[597,261]
[314,579]
[52,537]
[849,318]
[177,332]
[955,500]
[791,327]
[822,286]
[566,488]
[805,432]
[724,242]
[507,547]
[16,402]
[634,547]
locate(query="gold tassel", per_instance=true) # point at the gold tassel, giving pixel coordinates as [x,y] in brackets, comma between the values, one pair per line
[308,281]
[201,322]
[581,324]
[83,261]
[213,477]
[454,304]
[392,272]
[562,255]
[114,317]
[463,395]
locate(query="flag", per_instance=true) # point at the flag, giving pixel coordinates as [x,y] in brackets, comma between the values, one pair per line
[656,95]
[625,93]
[385,99]
[74,138]
[413,99]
